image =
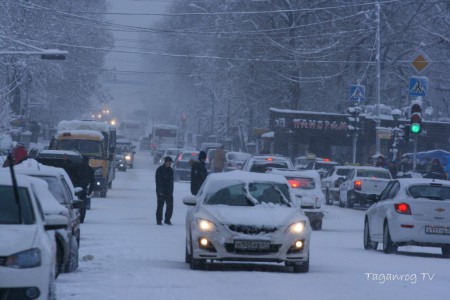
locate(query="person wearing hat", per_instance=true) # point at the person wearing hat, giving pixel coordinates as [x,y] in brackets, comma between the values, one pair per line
[164,191]
[198,173]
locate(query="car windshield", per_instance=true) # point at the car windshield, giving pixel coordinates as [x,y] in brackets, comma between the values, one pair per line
[433,192]
[54,188]
[373,173]
[85,147]
[9,210]
[342,172]
[251,194]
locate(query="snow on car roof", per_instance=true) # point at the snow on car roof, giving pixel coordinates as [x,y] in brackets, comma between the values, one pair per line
[49,203]
[5,178]
[93,133]
[83,125]
[246,177]
[409,181]
[370,168]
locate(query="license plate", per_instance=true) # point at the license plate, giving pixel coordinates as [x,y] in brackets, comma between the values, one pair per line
[251,245]
[437,230]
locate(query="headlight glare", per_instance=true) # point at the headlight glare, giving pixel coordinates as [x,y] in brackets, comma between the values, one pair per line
[297,227]
[26,259]
[205,225]
[128,157]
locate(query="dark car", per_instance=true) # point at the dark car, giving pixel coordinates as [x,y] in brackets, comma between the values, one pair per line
[121,164]
[126,146]
[181,166]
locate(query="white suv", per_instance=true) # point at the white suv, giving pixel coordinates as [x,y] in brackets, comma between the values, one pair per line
[263,163]
[27,260]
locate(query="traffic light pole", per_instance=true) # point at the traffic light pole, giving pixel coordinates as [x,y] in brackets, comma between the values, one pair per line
[414,153]
[355,139]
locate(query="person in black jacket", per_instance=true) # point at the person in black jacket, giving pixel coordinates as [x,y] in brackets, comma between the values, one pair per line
[84,177]
[198,173]
[164,191]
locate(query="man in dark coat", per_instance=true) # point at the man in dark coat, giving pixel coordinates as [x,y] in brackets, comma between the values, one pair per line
[198,173]
[164,191]
[84,177]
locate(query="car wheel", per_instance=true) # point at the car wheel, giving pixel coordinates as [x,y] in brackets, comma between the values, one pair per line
[316,225]
[350,200]
[72,264]
[328,200]
[59,265]
[368,244]
[446,251]
[302,267]
[196,264]
[51,288]
[187,256]
[388,245]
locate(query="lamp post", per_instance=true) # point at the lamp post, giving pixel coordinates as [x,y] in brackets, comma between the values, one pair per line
[396,113]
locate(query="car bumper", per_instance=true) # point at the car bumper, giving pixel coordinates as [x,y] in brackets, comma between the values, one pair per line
[402,234]
[21,281]
[223,247]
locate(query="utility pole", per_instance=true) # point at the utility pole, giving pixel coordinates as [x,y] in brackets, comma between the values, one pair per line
[377,109]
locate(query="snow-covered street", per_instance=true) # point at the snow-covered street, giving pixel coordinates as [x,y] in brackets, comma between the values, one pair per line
[125,255]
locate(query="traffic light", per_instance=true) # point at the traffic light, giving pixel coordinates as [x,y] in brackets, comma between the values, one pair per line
[353,119]
[416,119]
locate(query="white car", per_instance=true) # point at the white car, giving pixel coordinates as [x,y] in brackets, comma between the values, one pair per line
[330,182]
[262,163]
[27,259]
[61,187]
[412,211]
[306,186]
[361,182]
[242,216]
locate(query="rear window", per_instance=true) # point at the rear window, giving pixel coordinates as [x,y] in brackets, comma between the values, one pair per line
[9,210]
[262,166]
[373,173]
[433,192]
[189,155]
[342,172]
[301,183]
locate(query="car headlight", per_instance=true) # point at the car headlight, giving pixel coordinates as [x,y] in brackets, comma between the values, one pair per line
[128,157]
[297,227]
[205,225]
[26,259]
[98,172]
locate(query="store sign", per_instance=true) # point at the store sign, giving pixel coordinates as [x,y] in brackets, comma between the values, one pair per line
[319,124]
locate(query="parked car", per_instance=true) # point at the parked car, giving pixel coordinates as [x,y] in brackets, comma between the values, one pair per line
[63,190]
[306,186]
[242,216]
[127,147]
[331,182]
[412,211]
[361,182]
[27,259]
[235,160]
[263,163]
[181,166]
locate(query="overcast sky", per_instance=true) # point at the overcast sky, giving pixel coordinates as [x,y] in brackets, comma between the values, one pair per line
[128,87]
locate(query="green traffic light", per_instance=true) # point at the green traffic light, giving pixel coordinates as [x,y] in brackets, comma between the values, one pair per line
[415,128]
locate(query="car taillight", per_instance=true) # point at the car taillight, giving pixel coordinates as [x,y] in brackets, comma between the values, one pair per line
[402,208]
[294,183]
[357,185]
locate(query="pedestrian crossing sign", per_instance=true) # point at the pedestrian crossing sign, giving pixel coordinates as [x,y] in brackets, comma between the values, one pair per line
[357,93]
[418,86]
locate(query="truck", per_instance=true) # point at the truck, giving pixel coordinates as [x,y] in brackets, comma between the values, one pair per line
[94,139]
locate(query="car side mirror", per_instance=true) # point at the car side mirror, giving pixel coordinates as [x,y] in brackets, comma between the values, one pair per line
[190,200]
[55,222]
[78,190]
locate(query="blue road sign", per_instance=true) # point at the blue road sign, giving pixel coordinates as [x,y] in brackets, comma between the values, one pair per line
[418,86]
[357,93]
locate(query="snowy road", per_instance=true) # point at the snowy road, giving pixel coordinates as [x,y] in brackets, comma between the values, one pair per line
[125,255]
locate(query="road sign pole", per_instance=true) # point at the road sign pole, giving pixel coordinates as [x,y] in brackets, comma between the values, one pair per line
[414,153]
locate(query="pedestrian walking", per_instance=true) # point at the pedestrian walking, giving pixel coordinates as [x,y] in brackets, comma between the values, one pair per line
[84,177]
[198,172]
[219,159]
[164,191]
[436,167]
